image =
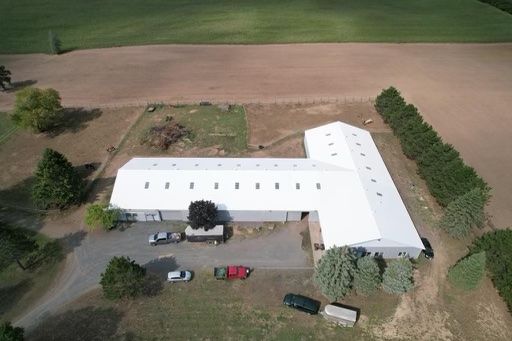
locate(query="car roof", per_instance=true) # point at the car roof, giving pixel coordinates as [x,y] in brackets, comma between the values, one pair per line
[161,235]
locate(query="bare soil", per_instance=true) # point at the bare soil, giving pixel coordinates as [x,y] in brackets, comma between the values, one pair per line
[463,90]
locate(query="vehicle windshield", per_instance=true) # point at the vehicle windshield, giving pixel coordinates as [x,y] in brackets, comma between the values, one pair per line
[182,274]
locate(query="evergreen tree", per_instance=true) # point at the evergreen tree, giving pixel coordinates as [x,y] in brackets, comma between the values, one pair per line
[5,77]
[398,276]
[55,43]
[36,109]
[57,184]
[334,272]
[367,276]
[468,272]
[202,214]
[465,213]
[123,278]
[15,244]
[388,102]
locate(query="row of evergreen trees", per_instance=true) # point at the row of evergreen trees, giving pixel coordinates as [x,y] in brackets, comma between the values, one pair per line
[451,182]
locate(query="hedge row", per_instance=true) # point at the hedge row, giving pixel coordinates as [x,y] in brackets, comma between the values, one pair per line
[504,5]
[439,164]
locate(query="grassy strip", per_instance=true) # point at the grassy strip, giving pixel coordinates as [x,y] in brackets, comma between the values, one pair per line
[96,23]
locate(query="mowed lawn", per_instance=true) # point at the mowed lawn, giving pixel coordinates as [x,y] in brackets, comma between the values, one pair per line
[99,23]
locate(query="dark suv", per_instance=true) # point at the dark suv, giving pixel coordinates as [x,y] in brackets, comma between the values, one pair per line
[428,251]
[302,303]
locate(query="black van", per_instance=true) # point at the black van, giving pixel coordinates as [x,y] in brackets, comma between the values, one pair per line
[302,303]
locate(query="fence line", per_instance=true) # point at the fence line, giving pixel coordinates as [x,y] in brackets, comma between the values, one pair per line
[291,100]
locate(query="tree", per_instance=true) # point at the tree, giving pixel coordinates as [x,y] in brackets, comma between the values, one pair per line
[334,272]
[14,245]
[57,184]
[398,276]
[55,43]
[123,278]
[101,215]
[465,213]
[5,77]
[367,276]
[202,213]
[10,333]
[498,251]
[36,109]
[468,273]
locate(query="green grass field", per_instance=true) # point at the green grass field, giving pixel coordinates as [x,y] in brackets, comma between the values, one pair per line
[97,23]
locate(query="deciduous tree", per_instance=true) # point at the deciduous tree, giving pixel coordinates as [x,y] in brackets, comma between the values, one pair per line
[202,214]
[5,77]
[334,272]
[36,109]
[468,272]
[101,215]
[57,184]
[14,245]
[123,278]
[10,333]
[398,276]
[367,276]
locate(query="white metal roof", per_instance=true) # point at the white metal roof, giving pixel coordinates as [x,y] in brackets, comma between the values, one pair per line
[344,178]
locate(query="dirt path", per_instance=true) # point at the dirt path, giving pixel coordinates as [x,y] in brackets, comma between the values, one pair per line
[462,89]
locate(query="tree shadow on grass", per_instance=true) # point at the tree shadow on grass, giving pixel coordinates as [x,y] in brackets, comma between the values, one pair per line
[157,270]
[15,86]
[73,120]
[19,195]
[10,295]
[96,188]
[88,323]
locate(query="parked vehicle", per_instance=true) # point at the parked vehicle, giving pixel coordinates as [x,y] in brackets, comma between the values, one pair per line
[428,251]
[179,276]
[340,315]
[302,303]
[212,236]
[164,238]
[232,272]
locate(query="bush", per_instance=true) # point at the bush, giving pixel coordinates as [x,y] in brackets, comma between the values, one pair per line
[498,249]
[468,273]
[101,215]
[123,278]
[202,214]
[36,109]
[335,271]
[10,333]
[367,276]
[55,43]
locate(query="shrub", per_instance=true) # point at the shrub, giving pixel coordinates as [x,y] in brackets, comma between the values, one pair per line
[55,43]
[367,276]
[101,215]
[36,109]
[398,276]
[123,278]
[334,272]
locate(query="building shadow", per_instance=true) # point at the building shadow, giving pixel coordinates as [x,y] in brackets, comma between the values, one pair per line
[90,323]
[73,120]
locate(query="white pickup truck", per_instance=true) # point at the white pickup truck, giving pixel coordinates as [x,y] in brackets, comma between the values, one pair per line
[164,238]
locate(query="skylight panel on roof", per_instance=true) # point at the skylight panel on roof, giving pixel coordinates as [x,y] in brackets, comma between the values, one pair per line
[379,194]
[369,168]
[334,154]
[146,185]
[329,134]
[174,165]
[237,185]
[257,185]
[276,185]
[191,185]
[373,180]
[167,185]
[297,185]
[216,185]
[318,185]
[359,144]
[330,144]
[363,154]
[219,165]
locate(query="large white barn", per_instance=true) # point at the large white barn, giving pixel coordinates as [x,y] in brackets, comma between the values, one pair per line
[343,184]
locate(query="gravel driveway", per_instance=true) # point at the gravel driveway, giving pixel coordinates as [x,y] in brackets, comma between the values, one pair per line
[278,249]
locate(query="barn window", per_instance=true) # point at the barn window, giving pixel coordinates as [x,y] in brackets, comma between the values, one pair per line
[219,164]
[318,186]
[276,185]
[237,185]
[402,254]
[379,194]
[191,185]
[378,254]
[146,186]
[373,180]
[239,165]
[294,165]
[196,165]
[275,164]
[257,185]
[297,185]
[167,185]
[257,165]
[216,185]
[174,165]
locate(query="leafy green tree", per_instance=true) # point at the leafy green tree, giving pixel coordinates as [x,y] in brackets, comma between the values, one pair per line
[498,250]
[101,215]
[57,184]
[465,213]
[202,214]
[468,273]
[367,276]
[10,333]
[55,43]
[123,278]
[14,245]
[5,77]
[36,109]
[398,276]
[334,272]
